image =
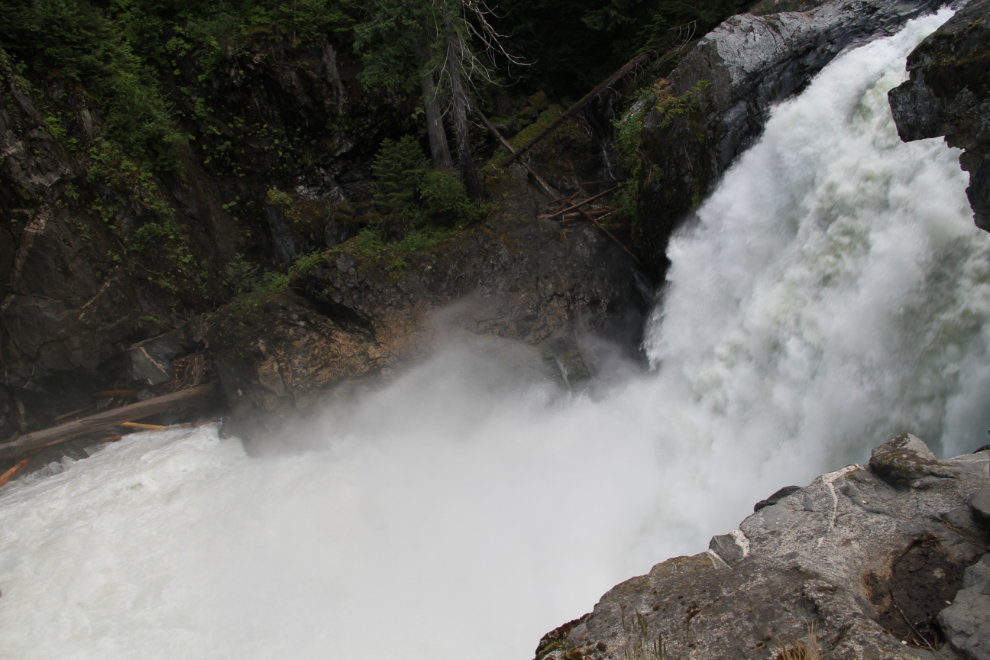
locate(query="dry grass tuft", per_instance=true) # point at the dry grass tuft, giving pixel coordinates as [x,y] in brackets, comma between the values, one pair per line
[806,649]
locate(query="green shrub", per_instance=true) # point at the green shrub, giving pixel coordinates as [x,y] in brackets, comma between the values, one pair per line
[243,274]
[420,239]
[279,199]
[367,243]
[445,200]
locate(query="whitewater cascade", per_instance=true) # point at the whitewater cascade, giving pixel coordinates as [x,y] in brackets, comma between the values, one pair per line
[832,293]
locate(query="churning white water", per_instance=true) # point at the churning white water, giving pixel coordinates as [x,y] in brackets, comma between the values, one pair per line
[833,293]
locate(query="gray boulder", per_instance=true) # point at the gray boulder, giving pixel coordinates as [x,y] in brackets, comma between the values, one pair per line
[967,621]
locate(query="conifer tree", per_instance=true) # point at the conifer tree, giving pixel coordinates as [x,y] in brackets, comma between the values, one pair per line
[425,43]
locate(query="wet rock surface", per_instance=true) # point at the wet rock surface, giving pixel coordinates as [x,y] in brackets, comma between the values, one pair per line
[280,357]
[882,561]
[76,290]
[715,103]
[949,94]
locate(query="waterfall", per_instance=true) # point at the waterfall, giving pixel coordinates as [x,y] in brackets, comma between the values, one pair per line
[833,292]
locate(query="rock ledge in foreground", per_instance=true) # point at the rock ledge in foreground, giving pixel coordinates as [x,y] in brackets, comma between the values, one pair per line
[871,557]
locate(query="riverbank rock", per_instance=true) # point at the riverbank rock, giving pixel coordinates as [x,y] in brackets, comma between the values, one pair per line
[714,104]
[877,561]
[949,94]
[356,318]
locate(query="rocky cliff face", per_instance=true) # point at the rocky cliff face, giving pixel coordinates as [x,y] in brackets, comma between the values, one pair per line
[101,248]
[949,94]
[355,319]
[886,560]
[91,261]
[714,104]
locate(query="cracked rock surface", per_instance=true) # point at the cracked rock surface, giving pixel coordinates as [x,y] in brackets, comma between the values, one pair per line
[520,289]
[869,556]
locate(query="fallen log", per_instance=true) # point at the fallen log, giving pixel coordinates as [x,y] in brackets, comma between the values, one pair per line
[68,414]
[193,397]
[145,427]
[14,471]
[581,203]
[547,188]
[585,100]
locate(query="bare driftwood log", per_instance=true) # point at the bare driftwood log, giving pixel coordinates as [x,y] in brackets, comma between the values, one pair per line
[585,100]
[193,397]
[14,471]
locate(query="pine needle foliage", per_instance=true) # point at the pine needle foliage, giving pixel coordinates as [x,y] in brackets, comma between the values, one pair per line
[408,187]
[399,168]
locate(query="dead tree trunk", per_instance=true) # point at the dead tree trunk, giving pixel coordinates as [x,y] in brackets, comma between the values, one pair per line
[585,100]
[439,150]
[455,46]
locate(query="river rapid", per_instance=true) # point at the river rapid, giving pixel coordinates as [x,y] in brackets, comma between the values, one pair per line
[831,294]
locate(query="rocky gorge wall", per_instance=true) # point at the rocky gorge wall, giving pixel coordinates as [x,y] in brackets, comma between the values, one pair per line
[353,319]
[948,95]
[101,249]
[104,251]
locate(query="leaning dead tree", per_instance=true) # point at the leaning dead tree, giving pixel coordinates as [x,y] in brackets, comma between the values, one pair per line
[628,67]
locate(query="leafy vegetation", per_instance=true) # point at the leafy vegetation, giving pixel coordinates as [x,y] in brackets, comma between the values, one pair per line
[399,168]
[79,42]
[153,68]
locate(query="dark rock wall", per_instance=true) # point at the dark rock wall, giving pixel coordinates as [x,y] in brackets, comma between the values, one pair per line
[356,320]
[949,94]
